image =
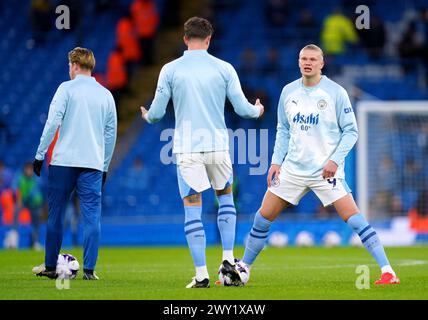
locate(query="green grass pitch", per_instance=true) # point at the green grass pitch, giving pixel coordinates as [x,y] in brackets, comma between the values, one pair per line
[278,274]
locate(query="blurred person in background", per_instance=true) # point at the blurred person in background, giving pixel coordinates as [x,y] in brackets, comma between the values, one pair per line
[373,40]
[418,214]
[410,48]
[116,76]
[338,31]
[28,195]
[42,20]
[127,40]
[146,20]
[6,194]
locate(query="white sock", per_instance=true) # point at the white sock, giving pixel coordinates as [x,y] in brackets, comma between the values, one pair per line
[202,273]
[228,255]
[387,268]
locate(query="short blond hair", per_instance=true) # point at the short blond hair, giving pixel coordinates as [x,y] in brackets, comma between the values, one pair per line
[83,57]
[312,47]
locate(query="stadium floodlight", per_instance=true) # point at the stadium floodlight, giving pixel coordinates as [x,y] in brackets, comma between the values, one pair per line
[392,152]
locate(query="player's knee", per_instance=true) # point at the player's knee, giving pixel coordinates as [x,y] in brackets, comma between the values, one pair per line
[347,216]
[192,199]
[224,191]
[267,214]
[272,206]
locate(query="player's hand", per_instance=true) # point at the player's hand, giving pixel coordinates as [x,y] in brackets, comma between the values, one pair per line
[37,166]
[273,173]
[329,170]
[104,178]
[144,113]
[262,108]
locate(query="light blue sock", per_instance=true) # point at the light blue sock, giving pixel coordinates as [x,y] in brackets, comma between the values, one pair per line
[369,238]
[226,220]
[195,234]
[256,239]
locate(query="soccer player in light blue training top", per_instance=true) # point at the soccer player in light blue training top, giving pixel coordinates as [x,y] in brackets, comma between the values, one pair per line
[198,84]
[316,130]
[85,113]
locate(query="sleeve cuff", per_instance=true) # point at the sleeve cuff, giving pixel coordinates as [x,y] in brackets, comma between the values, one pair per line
[275,161]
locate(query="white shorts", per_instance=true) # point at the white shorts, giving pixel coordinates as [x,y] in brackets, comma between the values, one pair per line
[292,189]
[199,171]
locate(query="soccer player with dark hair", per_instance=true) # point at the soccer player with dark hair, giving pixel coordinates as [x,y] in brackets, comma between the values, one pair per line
[198,84]
[85,113]
[316,130]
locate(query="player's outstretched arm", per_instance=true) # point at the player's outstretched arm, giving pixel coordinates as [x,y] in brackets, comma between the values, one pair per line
[160,102]
[239,102]
[56,114]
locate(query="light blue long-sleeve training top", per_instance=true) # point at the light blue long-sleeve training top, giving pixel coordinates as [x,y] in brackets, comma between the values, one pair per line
[315,124]
[198,84]
[85,112]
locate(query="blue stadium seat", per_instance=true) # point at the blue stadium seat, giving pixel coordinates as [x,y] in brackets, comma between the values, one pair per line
[250,30]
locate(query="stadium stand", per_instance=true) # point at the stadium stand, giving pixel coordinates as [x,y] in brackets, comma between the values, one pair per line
[252,30]
[24,102]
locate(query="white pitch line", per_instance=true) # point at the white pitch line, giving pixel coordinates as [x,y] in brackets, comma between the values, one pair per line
[401,263]
[410,263]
